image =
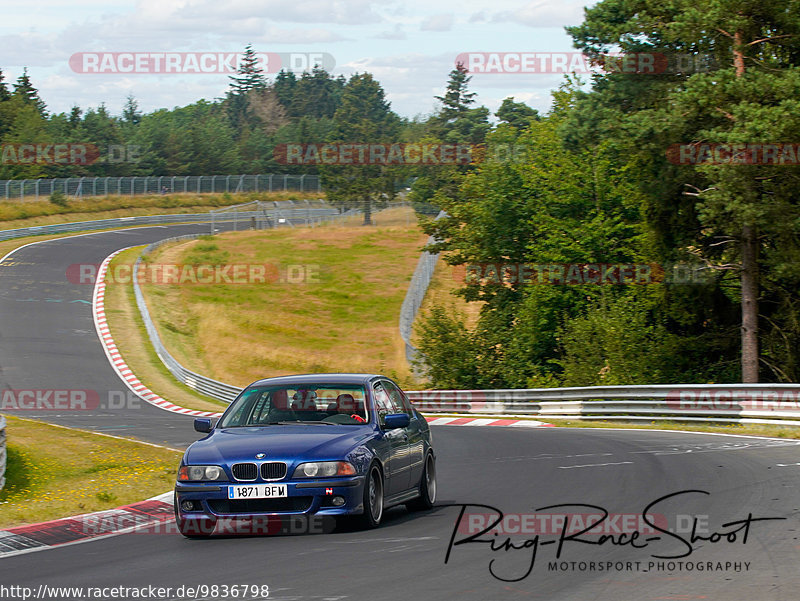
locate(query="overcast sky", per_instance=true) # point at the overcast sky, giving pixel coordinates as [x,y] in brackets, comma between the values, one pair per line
[409,46]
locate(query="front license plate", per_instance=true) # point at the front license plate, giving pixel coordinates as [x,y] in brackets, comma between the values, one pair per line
[257,491]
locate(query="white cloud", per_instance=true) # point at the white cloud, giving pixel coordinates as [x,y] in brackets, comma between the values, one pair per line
[544,13]
[395,34]
[443,22]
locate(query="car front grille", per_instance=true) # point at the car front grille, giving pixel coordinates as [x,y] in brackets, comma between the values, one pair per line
[293,504]
[244,471]
[274,470]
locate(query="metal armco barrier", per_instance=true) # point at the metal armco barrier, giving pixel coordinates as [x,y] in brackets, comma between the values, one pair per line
[289,211]
[744,403]
[2,452]
[420,281]
[202,384]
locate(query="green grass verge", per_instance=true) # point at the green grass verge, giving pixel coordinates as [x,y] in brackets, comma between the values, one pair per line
[55,472]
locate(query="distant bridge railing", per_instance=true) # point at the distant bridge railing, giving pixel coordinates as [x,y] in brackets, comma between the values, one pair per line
[79,187]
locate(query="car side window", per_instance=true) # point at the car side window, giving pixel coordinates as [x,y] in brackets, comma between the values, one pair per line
[382,403]
[395,397]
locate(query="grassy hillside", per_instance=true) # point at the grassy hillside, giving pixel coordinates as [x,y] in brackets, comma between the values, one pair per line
[334,308]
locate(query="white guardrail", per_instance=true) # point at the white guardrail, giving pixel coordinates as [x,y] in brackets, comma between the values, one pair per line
[420,280]
[742,403]
[2,452]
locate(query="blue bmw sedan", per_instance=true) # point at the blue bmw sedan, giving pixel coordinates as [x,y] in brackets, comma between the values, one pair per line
[322,445]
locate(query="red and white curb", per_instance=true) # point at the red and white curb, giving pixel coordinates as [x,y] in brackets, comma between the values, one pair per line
[154,515]
[130,379]
[485,421]
[114,356]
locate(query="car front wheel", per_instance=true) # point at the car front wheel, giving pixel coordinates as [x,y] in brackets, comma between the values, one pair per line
[373,498]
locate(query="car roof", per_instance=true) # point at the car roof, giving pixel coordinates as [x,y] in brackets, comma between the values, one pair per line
[306,379]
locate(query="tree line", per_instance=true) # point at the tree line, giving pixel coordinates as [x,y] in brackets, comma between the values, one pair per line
[691,171]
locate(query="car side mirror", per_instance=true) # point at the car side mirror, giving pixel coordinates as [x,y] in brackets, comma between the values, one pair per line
[202,424]
[396,420]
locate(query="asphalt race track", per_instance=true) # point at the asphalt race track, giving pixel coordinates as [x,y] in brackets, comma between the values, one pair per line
[48,341]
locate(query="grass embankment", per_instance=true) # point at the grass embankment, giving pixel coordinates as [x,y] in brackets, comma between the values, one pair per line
[335,307]
[130,336]
[55,472]
[29,213]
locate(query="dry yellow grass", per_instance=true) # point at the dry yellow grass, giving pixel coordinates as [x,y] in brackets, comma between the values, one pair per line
[344,319]
[131,339]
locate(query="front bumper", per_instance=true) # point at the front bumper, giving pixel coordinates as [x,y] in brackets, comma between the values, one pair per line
[305,498]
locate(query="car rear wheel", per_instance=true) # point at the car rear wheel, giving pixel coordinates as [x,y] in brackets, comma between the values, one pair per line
[373,498]
[427,486]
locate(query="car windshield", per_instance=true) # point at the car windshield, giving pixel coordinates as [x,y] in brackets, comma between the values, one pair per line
[333,404]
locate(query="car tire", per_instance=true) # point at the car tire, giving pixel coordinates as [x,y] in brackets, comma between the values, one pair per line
[373,498]
[427,487]
[193,528]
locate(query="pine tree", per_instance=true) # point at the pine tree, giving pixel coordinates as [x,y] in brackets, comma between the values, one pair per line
[364,116]
[23,88]
[75,115]
[741,220]
[131,113]
[4,93]
[516,114]
[249,75]
[457,99]
[285,86]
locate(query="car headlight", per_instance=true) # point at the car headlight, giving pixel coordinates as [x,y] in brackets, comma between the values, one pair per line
[324,469]
[200,473]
